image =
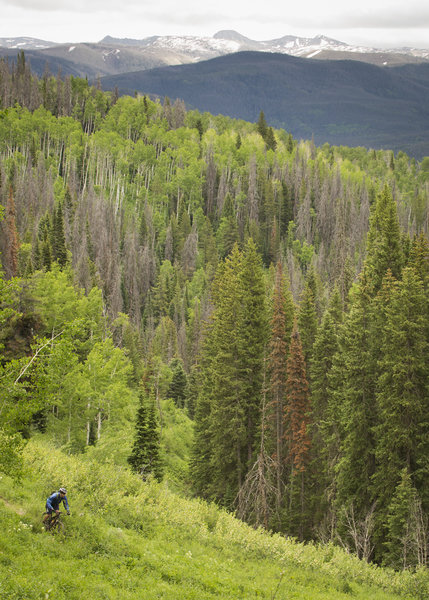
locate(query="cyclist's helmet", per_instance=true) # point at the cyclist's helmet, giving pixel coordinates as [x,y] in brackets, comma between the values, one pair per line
[63,490]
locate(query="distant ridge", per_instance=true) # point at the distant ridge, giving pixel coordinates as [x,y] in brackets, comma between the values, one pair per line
[234,36]
[94,59]
[25,43]
[340,102]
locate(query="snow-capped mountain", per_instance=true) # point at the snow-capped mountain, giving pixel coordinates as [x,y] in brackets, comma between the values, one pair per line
[225,42]
[228,41]
[25,43]
[112,56]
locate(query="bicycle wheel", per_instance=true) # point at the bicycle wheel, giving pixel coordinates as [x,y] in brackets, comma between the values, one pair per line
[58,526]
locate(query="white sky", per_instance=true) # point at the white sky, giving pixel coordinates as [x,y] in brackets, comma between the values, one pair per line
[377,23]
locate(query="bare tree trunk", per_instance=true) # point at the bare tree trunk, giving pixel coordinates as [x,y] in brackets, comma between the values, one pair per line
[88,426]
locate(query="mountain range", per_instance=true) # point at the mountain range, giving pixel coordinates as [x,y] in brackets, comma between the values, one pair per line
[112,56]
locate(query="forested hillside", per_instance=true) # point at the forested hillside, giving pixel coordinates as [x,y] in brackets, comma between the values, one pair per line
[217,304]
[342,102]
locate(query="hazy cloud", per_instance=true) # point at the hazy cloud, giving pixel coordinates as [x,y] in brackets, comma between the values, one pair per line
[89,20]
[398,17]
[76,6]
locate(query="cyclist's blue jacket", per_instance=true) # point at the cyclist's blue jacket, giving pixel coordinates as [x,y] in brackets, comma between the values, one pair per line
[54,501]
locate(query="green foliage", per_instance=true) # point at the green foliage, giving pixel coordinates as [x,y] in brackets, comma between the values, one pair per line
[11,447]
[126,538]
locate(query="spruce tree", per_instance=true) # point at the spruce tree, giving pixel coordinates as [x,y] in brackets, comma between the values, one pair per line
[59,247]
[297,406]
[12,235]
[219,456]
[178,385]
[192,391]
[252,340]
[419,258]
[402,431]
[402,540]
[384,249]
[228,409]
[261,125]
[281,330]
[46,255]
[227,233]
[145,456]
[201,462]
[357,367]
[296,426]
[37,254]
[353,384]
[307,322]
[325,413]
[270,139]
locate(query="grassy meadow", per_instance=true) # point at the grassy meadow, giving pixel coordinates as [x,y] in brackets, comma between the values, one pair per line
[127,539]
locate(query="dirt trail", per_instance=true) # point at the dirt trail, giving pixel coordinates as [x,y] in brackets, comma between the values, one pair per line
[19,511]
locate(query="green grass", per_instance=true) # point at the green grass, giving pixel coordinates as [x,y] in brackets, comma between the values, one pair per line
[132,540]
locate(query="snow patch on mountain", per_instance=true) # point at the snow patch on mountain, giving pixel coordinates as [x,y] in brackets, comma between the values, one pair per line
[25,43]
[227,41]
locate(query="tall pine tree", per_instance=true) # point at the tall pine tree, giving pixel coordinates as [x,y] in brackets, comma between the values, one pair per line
[281,330]
[145,456]
[296,426]
[229,404]
[402,431]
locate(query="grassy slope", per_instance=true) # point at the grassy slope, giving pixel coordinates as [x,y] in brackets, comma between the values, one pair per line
[127,539]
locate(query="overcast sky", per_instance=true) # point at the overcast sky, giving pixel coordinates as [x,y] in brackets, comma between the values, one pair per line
[377,23]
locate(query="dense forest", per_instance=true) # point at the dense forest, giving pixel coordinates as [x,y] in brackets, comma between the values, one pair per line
[276,292]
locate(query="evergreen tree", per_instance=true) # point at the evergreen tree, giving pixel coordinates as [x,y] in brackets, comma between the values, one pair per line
[281,331]
[252,340]
[178,385]
[201,462]
[12,234]
[403,543]
[261,125]
[419,258]
[357,367]
[46,255]
[353,384]
[59,241]
[145,456]
[384,249]
[325,413]
[227,233]
[228,408]
[219,456]
[37,255]
[297,407]
[270,139]
[307,322]
[296,426]
[192,391]
[402,431]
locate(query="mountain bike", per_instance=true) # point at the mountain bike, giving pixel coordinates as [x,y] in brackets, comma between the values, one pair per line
[54,523]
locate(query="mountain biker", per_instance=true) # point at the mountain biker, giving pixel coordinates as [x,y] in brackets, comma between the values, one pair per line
[54,501]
